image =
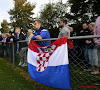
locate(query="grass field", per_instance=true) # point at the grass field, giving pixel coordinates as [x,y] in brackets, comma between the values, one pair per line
[13,79]
[17,78]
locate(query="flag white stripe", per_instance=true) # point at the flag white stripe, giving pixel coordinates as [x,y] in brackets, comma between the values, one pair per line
[59,56]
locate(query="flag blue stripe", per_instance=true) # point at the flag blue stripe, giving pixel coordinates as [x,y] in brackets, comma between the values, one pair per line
[53,76]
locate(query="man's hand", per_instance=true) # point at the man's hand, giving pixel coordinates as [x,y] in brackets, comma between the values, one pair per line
[38,37]
[88,42]
[81,31]
[11,40]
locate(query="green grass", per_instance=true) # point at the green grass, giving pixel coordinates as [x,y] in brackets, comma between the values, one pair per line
[79,77]
[12,80]
[18,79]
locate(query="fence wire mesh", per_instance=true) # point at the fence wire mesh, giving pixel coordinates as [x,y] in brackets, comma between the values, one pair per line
[82,60]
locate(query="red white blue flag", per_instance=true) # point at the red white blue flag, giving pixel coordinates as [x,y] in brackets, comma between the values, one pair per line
[49,65]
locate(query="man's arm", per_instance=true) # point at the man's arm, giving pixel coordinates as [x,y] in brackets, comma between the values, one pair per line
[33,38]
[42,35]
[95,33]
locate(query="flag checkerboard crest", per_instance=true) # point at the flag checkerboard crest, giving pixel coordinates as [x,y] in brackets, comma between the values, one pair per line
[43,61]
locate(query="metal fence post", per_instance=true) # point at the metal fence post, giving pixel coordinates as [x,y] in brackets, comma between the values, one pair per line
[13,54]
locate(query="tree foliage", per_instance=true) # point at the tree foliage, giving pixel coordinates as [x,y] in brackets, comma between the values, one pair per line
[51,14]
[21,15]
[84,10]
[4,26]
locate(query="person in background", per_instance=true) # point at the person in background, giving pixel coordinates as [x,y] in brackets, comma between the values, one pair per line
[60,28]
[97,44]
[0,45]
[65,32]
[23,52]
[92,51]
[41,33]
[97,41]
[72,33]
[30,34]
[19,37]
[72,52]
[4,36]
[9,45]
[85,32]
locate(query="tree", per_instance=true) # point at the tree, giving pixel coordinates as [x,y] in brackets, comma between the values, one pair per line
[51,14]
[84,10]
[21,15]
[5,26]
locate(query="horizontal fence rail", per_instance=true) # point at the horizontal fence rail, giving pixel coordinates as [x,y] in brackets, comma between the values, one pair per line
[70,38]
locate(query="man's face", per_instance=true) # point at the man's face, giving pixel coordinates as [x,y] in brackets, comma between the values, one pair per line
[3,35]
[9,34]
[17,30]
[91,27]
[37,25]
[61,23]
[85,26]
[71,29]
[28,33]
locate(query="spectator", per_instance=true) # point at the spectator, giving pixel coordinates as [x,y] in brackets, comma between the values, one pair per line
[19,36]
[97,41]
[72,33]
[60,28]
[0,45]
[41,33]
[23,51]
[1,38]
[85,32]
[65,32]
[9,45]
[92,51]
[72,52]
[30,34]
[4,36]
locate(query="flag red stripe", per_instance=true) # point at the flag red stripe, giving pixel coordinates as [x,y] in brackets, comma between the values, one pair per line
[87,87]
[33,46]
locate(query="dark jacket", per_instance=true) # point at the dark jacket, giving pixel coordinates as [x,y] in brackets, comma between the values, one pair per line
[0,38]
[21,44]
[92,44]
[85,33]
[8,40]
[73,34]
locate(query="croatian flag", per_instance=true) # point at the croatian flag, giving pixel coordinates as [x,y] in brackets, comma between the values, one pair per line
[49,65]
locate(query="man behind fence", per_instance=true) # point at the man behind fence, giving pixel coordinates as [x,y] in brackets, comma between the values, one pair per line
[23,51]
[19,36]
[97,41]
[0,46]
[40,34]
[85,32]
[4,36]
[65,32]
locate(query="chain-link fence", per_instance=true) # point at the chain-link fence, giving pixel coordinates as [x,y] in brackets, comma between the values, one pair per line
[82,59]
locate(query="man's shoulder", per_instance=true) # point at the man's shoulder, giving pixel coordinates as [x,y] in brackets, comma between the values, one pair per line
[44,30]
[66,28]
